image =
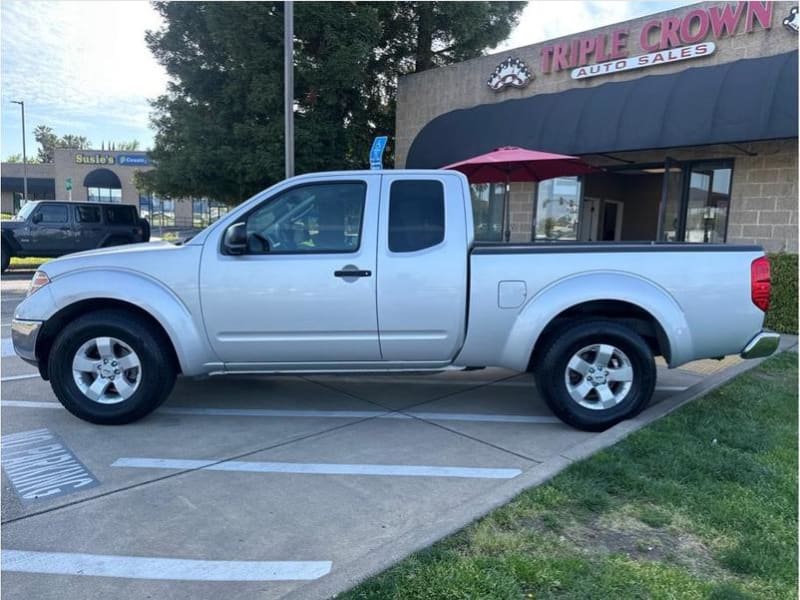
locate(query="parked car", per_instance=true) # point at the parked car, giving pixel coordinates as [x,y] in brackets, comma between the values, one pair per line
[52,228]
[366,271]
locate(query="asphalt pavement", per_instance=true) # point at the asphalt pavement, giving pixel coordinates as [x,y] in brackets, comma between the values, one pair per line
[257,486]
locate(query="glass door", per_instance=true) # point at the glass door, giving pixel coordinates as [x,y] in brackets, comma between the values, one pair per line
[707,202]
[670,213]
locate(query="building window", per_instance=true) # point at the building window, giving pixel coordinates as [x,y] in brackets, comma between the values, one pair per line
[205,211]
[97,194]
[697,201]
[487,211]
[708,200]
[557,206]
[160,212]
[416,215]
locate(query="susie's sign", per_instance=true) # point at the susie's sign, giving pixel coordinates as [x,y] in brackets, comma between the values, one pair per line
[663,40]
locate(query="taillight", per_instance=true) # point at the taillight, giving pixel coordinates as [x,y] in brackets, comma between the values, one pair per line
[760,283]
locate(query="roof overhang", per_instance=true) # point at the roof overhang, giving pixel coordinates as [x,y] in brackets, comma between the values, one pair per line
[742,101]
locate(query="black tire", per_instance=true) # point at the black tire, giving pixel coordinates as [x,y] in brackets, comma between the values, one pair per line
[157,374]
[145,225]
[551,374]
[5,257]
[115,240]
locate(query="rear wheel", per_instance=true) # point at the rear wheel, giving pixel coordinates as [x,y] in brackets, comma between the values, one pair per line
[110,367]
[596,373]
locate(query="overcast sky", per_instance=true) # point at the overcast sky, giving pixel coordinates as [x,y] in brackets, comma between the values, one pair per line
[82,67]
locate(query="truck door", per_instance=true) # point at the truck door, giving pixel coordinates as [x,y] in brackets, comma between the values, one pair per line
[304,291]
[88,227]
[422,267]
[50,231]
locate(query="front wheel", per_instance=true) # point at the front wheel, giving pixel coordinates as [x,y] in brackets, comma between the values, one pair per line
[5,257]
[110,367]
[596,373]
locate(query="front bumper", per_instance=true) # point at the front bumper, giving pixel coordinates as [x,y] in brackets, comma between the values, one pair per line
[763,344]
[23,337]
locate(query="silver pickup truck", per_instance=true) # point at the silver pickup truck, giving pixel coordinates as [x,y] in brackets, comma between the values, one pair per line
[379,271]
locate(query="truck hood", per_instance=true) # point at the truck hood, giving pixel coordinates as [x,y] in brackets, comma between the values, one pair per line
[129,256]
[12,225]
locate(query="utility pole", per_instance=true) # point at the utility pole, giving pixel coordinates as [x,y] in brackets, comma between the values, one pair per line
[24,155]
[288,84]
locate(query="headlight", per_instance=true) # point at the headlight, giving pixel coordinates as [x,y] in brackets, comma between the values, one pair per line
[39,279]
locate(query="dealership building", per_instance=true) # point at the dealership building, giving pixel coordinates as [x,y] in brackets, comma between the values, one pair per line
[101,176]
[692,114]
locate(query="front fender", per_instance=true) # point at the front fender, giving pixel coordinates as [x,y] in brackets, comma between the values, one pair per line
[184,331]
[577,289]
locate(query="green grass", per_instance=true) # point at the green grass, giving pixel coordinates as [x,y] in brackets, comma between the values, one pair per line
[701,504]
[29,262]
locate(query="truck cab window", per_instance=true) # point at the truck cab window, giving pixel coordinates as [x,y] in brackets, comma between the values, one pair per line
[52,214]
[416,215]
[88,214]
[311,218]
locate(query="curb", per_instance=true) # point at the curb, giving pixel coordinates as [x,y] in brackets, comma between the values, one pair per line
[346,576]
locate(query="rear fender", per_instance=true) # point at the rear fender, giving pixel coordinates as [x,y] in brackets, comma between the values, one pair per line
[566,293]
[186,334]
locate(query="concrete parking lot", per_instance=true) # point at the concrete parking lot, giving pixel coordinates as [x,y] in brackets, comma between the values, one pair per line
[260,486]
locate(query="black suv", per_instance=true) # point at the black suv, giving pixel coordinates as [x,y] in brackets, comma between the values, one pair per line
[52,228]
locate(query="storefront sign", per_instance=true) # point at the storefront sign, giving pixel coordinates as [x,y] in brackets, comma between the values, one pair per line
[512,72]
[670,33]
[94,159]
[133,160]
[645,60]
[123,160]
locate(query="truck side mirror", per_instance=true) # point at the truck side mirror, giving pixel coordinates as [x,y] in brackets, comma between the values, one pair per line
[37,217]
[235,239]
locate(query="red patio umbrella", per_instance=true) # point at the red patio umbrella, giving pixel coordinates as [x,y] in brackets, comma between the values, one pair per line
[513,164]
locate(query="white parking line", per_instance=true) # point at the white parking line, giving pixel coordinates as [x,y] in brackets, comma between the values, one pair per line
[18,377]
[318,468]
[141,567]
[324,414]
[6,347]
[263,412]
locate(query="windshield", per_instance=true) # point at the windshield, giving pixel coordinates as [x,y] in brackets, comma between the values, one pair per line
[25,211]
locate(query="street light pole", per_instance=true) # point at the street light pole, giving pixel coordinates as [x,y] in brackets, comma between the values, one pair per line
[24,155]
[288,84]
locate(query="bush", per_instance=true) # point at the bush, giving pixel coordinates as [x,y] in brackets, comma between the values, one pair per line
[782,314]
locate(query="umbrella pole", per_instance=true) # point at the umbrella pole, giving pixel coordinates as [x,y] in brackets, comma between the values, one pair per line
[507,208]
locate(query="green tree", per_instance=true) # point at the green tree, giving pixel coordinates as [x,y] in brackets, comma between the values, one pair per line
[219,127]
[129,146]
[17,158]
[48,141]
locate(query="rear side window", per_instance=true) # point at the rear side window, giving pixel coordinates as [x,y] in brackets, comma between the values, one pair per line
[119,215]
[88,214]
[51,213]
[416,215]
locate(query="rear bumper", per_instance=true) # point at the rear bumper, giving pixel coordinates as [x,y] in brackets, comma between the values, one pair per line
[23,337]
[763,344]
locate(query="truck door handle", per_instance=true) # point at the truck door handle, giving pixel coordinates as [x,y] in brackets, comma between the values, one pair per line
[352,273]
